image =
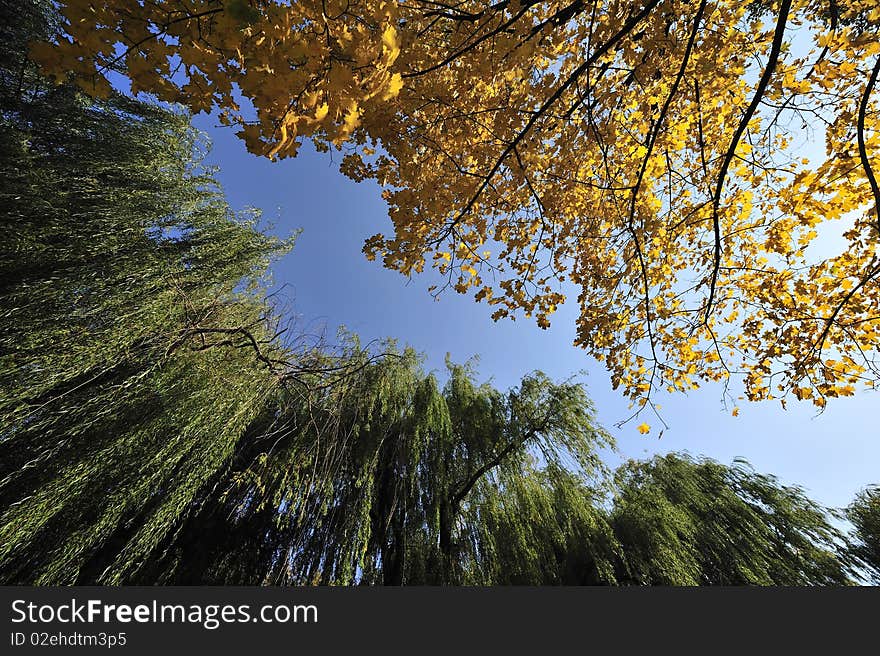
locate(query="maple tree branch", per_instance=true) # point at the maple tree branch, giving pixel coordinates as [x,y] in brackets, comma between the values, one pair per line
[622,33]
[163,29]
[453,12]
[560,17]
[772,60]
[655,130]
[652,138]
[860,132]
[818,60]
[470,46]
[819,344]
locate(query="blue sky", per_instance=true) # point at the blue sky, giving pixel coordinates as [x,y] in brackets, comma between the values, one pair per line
[331,283]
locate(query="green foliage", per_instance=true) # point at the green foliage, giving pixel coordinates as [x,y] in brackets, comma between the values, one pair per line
[385,478]
[541,527]
[864,513]
[696,522]
[119,259]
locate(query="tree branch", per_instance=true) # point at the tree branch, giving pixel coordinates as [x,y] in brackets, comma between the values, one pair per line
[772,60]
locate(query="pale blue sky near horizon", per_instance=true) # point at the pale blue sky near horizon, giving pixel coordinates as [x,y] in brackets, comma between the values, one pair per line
[331,283]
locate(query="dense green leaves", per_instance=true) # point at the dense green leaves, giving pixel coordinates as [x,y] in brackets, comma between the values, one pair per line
[864,513]
[384,478]
[687,522]
[120,259]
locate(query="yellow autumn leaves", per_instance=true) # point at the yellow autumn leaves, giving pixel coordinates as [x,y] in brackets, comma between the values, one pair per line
[581,145]
[303,69]
[333,105]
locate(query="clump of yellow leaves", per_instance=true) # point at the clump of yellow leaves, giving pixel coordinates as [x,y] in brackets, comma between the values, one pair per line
[302,69]
[644,154]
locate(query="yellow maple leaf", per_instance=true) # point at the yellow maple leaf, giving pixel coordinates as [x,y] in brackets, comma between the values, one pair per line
[391,43]
[393,88]
[644,428]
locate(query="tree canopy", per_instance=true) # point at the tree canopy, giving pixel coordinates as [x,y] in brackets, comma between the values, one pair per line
[127,362]
[162,422]
[864,513]
[696,522]
[648,153]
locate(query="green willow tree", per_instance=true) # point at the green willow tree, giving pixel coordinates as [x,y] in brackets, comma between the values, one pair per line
[383,479]
[129,303]
[541,527]
[543,513]
[681,521]
[668,521]
[864,513]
